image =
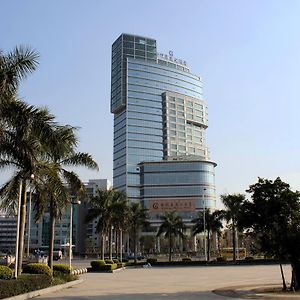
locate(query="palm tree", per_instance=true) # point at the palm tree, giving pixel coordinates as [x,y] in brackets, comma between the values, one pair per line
[14,67]
[137,219]
[172,226]
[22,130]
[105,206]
[120,218]
[213,223]
[233,206]
[26,133]
[59,185]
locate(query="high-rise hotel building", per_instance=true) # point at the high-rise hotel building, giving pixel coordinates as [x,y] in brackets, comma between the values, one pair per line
[160,118]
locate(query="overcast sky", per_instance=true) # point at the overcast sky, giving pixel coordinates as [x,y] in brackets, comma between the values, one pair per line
[247,52]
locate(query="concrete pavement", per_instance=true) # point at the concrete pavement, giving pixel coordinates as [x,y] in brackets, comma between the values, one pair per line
[169,282]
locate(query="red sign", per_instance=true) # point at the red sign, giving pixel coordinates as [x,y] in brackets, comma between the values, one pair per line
[162,205]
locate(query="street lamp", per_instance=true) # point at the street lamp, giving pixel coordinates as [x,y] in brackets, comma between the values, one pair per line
[204,224]
[71,231]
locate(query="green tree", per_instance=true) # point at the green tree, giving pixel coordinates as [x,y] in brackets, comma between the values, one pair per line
[273,217]
[172,226]
[105,206]
[24,132]
[27,136]
[120,215]
[233,207]
[213,224]
[59,187]
[15,66]
[137,220]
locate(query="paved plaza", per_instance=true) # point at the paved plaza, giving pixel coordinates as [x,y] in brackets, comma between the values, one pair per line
[169,282]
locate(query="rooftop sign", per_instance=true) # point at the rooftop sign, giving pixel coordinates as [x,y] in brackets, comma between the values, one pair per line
[170,57]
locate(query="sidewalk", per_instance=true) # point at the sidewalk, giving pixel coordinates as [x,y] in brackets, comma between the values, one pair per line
[263,291]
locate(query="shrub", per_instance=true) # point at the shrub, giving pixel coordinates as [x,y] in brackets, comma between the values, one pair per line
[151,260]
[125,260]
[24,284]
[60,278]
[99,265]
[109,261]
[221,258]
[116,261]
[108,267]
[121,265]
[63,268]
[186,259]
[5,273]
[36,268]
[96,264]
[249,258]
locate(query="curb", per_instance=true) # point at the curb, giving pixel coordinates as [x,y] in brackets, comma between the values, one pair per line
[252,292]
[118,270]
[45,291]
[79,271]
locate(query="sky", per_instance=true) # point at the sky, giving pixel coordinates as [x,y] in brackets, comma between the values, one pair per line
[247,52]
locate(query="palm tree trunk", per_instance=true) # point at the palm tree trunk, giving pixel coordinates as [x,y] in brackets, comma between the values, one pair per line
[170,246]
[120,244]
[22,227]
[219,243]
[295,282]
[208,245]
[284,288]
[135,244]
[100,241]
[116,242]
[103,246]
[51,234]
[233,242]
[110,242]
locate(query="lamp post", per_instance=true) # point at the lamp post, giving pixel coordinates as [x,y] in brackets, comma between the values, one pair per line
[204,224]
[71,231]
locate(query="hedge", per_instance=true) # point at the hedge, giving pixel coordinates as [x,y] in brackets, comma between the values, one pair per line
[109,261]
[36,268]
[5,273]
[186,259]
[63,268]
[221,258]
[109,267]
[125,260]
[116,261]
[24,284]
[249,258]
[151,260]
[100,265]
[96,264]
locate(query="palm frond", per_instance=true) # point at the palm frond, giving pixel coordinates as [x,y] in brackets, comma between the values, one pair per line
[81,159]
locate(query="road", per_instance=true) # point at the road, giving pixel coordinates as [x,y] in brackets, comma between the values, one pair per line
[185,283]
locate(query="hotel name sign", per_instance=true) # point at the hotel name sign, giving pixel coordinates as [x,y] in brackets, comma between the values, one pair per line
[170,57]
[162,205]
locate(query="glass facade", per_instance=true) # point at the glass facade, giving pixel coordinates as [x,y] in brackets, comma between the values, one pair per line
[159,112]
[192,180]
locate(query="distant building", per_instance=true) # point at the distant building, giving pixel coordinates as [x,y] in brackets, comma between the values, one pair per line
[87,238]
[160,155]
[39,232]
[8,229]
